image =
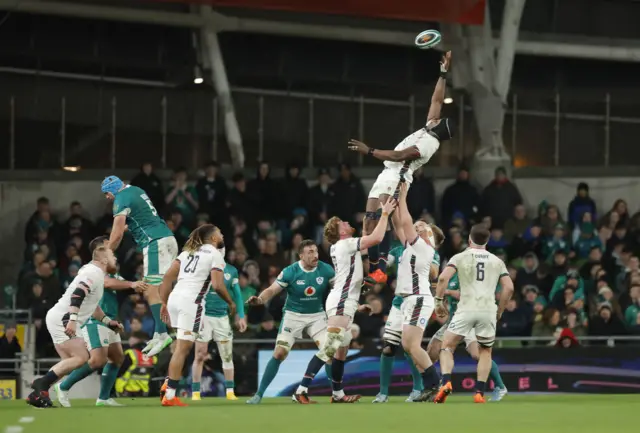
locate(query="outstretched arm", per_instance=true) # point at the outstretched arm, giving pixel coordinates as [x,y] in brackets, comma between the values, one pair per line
[117,231]
[407,223]
[408,154]
[376,236]
[265,295]
[437,99]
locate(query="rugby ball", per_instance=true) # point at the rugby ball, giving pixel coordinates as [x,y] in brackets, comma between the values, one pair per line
[428,39]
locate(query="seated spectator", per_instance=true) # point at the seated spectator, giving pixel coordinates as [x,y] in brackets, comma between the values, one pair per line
[499,198]
[527,273]
[9,344]
[38,303]
[594,259]
[546,327]
[623,279]
[179,227]
[41,219]
[580,205]
[573,280]
[619,208]
[45,276]
[496,241]
[606,323]
[77,224]
[555,243]
[514,321]
[587,217]
[560,264]
[532,240]
[575,324]
[567,339]
[550,220]
[518,224]
[630,299]
[43,243]
[141,312]
[454,244]
[587,240]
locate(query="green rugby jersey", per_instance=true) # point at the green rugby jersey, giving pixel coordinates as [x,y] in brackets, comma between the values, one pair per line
[306,289]
[142,218]
[108,303]
[215,306]
[396,253]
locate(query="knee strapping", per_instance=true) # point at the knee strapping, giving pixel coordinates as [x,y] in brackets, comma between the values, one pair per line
[225,348]
[332,342]
[373,215]
[446,349]
[392,337]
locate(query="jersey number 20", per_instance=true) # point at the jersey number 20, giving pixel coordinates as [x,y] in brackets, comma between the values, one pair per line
[191,264]
[480,271]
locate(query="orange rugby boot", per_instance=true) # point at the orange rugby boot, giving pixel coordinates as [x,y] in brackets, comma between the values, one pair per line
[163,389]
[443,393]
[175,401]
[478,398]
[378,276]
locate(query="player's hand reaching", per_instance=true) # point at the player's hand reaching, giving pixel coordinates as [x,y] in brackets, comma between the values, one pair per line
[116,326]
[445,63]
[70,329]
[366,309]
[241,324]
[139,286]
[358,146]
[389,206]
[255,301]
[164,315]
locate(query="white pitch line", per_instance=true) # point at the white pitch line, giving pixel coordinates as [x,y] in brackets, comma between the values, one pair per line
[13,429]
[26,419]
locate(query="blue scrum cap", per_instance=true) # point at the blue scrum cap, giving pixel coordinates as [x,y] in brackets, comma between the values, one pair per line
[112,184]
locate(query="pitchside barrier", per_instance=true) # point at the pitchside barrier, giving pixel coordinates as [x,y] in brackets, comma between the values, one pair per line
[527,364]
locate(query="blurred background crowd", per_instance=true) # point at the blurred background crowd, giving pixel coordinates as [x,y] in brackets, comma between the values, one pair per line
[575,267]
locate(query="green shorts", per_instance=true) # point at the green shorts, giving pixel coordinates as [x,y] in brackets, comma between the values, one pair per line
[158,256]
[98,336]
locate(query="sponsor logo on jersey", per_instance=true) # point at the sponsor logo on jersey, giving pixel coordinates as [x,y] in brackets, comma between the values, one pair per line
[285,329]
[227,277]
[319,280]
[309,291]
[423,321]
[300,282]
[105,341]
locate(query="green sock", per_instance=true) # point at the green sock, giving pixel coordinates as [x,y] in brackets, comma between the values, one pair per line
[229,384]
[76,376]
[386,370]
[269,374]
[327,371]
[107,380]
[195,387]
[418,384]
[160,328]
[495,375]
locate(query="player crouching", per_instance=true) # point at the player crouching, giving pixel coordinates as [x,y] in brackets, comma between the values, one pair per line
[342,302]
[199,263]
[479,272]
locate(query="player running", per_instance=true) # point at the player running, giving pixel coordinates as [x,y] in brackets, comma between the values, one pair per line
[133,208]
[412,153]
[104,343]
[199,266]
[471,342]
[306,282]
[217,327]
[78,303]
[342,302]
[393,327]
[479,273]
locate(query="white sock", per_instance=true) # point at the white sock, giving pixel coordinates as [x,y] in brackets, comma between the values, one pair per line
[171,393]
[302,389]
[338,394]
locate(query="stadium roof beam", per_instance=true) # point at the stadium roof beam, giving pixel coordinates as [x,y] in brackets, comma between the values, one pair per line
[587,48]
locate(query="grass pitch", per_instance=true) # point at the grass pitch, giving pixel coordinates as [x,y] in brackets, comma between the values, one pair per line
[516,413]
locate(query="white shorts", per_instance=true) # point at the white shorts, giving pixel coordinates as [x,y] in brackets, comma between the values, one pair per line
[215,328]
[186,317]
[158,256]
[482,322]
[468,339]
[386,183]
[417,310]
[293,326]
[393,326]
[336,308]
[56,328]
[98,336]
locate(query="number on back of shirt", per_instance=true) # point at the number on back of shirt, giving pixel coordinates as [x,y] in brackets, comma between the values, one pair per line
[480,271]
[148,200]
[192,263]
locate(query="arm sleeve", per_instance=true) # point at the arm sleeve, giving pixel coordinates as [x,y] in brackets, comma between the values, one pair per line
[182,256]
[236,294]
[453,262]
[352,245]
[503,270]
[120,206]
[284,277]
[436,259]
[217,263]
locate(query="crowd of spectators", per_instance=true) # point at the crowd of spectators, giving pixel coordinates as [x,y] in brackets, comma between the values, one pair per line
[578,272]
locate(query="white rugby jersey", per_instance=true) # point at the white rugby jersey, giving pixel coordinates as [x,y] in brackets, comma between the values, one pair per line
[91,278]
[427,145]
[414,268]
[194,278]
[347,262]
[478,272]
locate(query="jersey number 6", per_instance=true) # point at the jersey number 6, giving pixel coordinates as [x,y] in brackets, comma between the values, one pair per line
[480,271]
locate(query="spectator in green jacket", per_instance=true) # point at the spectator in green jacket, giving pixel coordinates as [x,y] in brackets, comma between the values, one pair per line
[557,242]
[631,313]
[586,241]
[571,279]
